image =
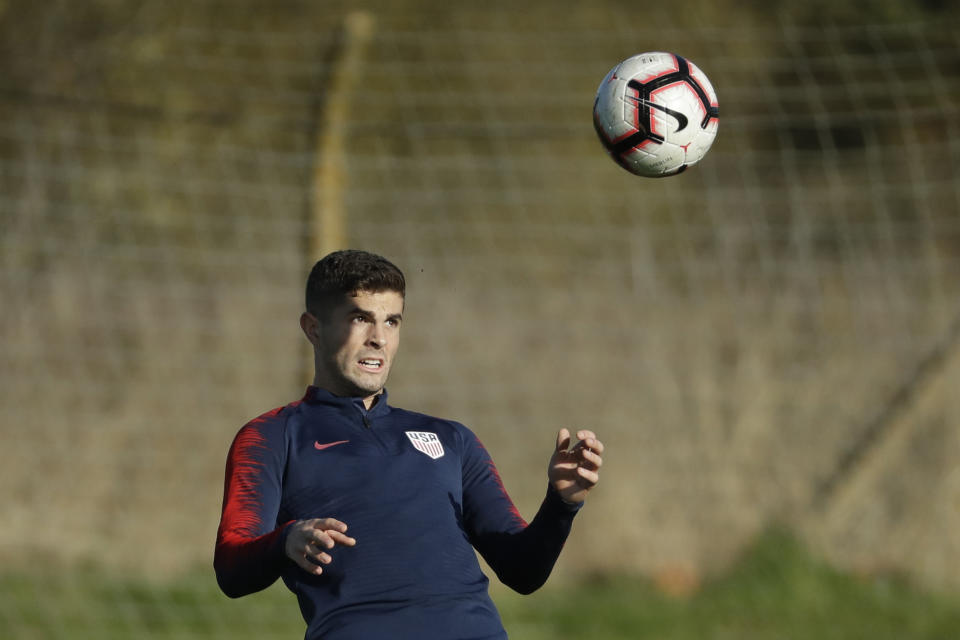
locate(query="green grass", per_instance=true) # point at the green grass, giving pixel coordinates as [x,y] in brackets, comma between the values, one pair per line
[778,590]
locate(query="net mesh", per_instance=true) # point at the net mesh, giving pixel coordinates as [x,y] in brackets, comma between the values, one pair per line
[770,336]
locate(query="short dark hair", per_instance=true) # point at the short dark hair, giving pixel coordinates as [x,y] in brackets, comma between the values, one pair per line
[348,272]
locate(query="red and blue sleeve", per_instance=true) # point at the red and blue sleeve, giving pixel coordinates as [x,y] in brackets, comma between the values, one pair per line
[249,554]
[521,554]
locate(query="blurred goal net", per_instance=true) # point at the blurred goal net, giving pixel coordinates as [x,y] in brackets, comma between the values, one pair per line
[769,336]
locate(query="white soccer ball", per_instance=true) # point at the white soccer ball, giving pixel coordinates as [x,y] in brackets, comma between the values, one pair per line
[656,114]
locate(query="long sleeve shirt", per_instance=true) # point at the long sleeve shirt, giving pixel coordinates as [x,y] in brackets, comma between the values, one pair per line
[418,494]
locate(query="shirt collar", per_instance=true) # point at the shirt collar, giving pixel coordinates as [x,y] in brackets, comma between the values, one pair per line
[318,395]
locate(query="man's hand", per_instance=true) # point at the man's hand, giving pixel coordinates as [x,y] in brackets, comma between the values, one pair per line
[308,541]
[574,472]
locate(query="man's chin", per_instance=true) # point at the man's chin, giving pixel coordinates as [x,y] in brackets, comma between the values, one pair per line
[366,388]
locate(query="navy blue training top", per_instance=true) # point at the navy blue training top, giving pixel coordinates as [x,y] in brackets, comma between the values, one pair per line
[417,493]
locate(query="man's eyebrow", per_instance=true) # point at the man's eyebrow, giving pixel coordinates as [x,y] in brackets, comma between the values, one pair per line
[366,313]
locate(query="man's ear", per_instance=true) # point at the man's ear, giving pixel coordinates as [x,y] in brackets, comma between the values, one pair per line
[310,326]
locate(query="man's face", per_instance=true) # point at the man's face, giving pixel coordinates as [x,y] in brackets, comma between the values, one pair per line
[356,342]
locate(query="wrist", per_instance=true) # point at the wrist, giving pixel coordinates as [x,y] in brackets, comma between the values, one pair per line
[552,492]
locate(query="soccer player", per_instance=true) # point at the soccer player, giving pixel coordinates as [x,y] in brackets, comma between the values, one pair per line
[371,513]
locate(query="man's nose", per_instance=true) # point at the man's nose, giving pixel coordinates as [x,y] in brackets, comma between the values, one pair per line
[377,336]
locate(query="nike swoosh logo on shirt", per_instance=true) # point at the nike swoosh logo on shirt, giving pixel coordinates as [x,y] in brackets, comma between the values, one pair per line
[321,447]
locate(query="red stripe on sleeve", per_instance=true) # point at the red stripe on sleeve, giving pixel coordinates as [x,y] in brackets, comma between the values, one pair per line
[514,512]
[241,501]
[245,557]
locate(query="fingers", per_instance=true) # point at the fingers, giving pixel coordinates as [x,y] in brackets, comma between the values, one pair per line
[590,478]
[574,471]
[328,524]
[327,533]
[309,540]
[314,557]
[589,440]
[341,539]
[586,439]
[589,449]
[592,454]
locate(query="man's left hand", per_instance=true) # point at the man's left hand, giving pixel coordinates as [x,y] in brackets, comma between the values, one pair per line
[573,472]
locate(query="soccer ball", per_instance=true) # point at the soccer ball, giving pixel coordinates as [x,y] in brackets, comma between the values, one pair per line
[656,114]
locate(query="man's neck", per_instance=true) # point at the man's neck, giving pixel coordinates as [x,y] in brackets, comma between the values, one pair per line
[370,401]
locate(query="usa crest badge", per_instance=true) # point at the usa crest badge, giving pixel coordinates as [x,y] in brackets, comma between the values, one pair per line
[426,443]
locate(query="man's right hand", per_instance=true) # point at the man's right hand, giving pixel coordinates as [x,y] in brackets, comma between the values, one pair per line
[309,540]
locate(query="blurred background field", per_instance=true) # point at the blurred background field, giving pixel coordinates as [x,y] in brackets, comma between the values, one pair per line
[766,342]
[778,590]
